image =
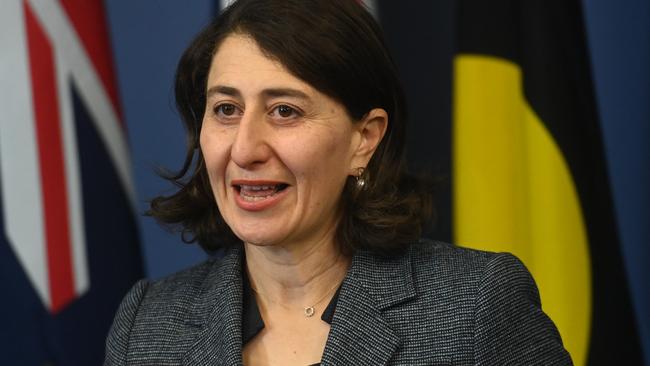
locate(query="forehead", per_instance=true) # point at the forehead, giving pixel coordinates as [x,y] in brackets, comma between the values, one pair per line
[239,62]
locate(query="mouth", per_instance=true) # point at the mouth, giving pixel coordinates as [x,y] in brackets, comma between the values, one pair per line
[258,195]
[258,192]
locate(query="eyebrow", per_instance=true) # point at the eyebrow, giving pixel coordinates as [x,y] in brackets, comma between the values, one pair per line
[268,93]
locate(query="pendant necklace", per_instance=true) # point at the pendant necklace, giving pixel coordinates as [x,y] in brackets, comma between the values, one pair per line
[308,311]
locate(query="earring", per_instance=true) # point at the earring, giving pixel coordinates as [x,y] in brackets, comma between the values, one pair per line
[361,180]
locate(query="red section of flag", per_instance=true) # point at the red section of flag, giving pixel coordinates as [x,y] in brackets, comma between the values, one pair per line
[89,20]
[52,169]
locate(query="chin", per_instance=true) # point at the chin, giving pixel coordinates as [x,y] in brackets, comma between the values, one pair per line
[257,239]
[265,231]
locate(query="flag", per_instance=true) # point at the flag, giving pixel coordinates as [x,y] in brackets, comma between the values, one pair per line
[529,173]
[69,243]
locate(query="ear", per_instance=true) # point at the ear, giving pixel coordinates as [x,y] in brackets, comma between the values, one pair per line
[371,129]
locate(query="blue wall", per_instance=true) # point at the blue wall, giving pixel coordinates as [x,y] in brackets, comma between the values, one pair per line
[148,38]
[619,38]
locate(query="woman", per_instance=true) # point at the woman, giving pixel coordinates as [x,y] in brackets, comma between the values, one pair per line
[295,167]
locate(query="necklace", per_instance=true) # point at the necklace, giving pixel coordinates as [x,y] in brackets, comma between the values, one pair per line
[308,311]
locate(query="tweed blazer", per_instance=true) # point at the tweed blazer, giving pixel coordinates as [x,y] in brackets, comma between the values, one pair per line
[436,304]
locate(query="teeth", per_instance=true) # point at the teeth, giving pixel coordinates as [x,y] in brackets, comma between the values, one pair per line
[256,188]
[255,193]
[250,198]
[254,198]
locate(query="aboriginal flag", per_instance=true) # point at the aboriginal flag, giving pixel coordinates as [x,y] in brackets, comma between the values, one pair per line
[529,173]
[68,240]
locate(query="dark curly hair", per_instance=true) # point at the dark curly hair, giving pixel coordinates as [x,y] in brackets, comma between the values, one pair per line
[337,47]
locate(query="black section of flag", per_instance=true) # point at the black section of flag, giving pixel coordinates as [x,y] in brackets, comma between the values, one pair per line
[418,35]
[547,40]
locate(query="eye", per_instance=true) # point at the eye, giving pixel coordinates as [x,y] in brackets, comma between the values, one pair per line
[284,111]
[225,110]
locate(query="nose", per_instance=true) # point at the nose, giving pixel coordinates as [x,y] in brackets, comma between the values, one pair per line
[250,147]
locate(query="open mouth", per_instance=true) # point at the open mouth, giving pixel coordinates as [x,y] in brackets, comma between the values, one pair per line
[258,192]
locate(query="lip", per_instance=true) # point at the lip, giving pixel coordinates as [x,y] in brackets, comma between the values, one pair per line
[261,204]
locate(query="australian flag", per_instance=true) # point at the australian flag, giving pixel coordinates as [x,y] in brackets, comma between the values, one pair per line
[69,246]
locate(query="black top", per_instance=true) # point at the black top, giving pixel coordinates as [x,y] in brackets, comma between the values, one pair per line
[252,322]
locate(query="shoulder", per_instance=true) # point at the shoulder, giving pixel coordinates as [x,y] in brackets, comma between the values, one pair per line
[178,290]
[494,296]
[483,281]
[183,284]
[433,260]
[154,310]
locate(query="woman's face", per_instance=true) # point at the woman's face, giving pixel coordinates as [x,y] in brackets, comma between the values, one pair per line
[277,151]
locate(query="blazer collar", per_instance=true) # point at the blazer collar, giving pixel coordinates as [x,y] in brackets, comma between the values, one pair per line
[215,319]
[360,335]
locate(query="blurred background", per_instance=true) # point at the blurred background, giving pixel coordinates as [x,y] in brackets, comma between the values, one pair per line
[534,115]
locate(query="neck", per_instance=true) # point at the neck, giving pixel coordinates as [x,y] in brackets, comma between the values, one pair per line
[295,274]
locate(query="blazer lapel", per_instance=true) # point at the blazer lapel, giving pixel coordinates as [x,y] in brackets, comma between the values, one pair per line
[215,321]
[360,333]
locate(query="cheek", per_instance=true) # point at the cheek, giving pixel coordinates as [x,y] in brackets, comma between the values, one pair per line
[214,151]
[334,149]
[320,160]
